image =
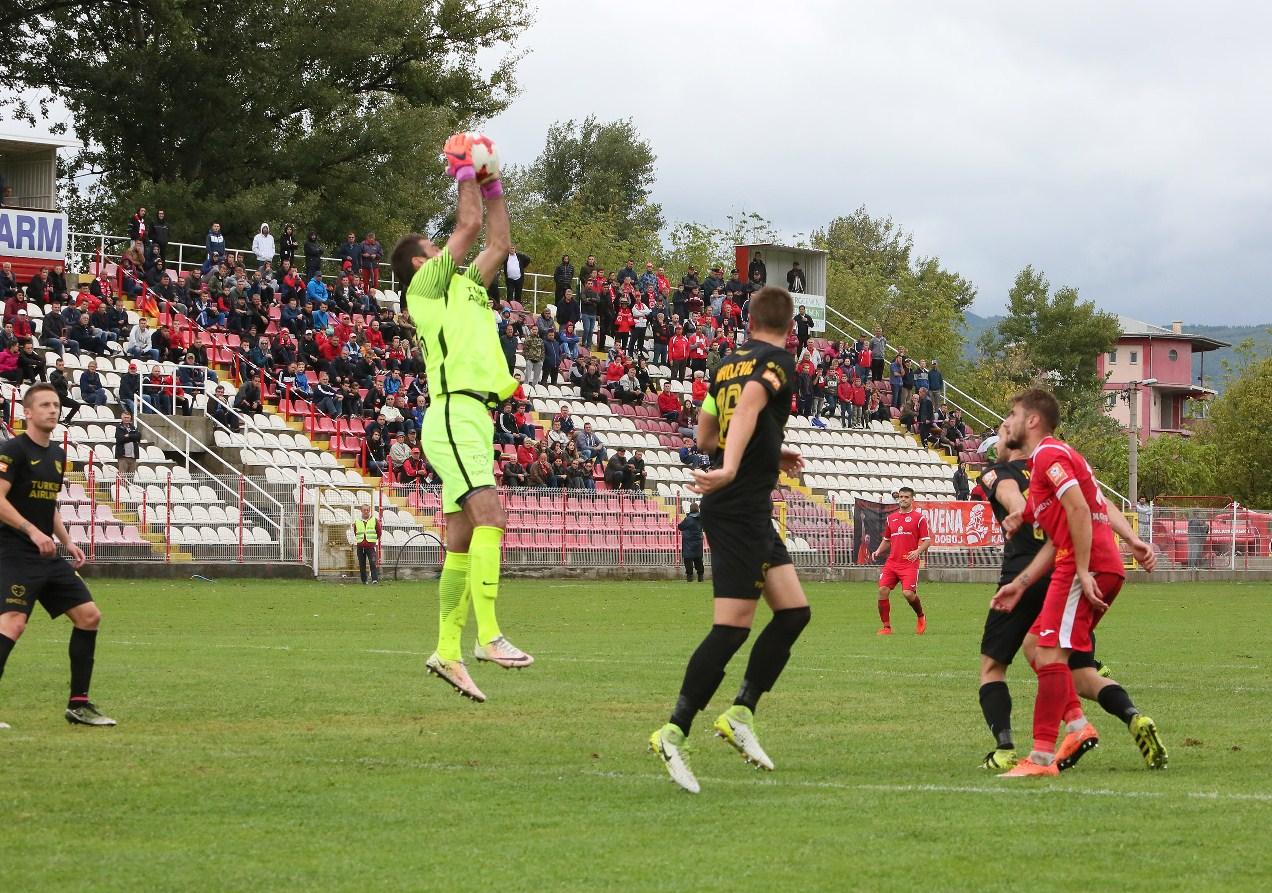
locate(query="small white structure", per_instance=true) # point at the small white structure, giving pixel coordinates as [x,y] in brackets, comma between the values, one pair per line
[28,169]
[780,262]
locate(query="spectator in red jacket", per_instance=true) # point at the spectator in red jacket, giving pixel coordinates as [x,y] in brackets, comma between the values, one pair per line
[328,349]
[678,354]
[12,304]
[859,401]
[668,403]
[843,393]
[412,471]
[699,392]
[616,369]
[698,348]
[525,453]
[21,325]
[624,323]
[864,360]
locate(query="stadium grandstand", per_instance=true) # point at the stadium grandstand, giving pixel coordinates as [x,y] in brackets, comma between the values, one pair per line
[270,402]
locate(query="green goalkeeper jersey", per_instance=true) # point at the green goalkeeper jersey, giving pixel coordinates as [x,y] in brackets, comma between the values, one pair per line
[453,322]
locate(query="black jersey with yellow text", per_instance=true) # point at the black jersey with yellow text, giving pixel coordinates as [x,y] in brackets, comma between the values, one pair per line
[35,476]
[774,368]
[1024,545]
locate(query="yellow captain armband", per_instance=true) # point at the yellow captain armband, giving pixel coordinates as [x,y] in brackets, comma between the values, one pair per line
[709,406]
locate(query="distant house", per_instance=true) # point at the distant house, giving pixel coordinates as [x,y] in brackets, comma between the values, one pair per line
[1145,351]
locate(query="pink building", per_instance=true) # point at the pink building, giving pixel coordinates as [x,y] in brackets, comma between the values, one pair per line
[1146,351]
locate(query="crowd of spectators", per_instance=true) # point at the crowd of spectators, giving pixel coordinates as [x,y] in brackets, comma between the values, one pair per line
[291,332]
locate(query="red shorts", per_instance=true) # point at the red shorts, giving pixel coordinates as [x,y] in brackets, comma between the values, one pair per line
[1067,618]
[905,574]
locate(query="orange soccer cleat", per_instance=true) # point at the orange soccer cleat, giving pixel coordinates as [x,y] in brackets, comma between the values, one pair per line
[921,626]
[885,631]
[1075,744]
[1027,767]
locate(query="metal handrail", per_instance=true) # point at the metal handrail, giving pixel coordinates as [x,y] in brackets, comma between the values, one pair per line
[967,412]
[99,240]
[247,420]
[141,423]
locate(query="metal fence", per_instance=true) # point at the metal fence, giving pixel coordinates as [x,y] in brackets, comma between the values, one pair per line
[184,514]
[86,249]
[1228,538]
[582,529]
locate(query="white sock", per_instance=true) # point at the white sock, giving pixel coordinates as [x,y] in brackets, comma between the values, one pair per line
[1039,758]
[1076,725]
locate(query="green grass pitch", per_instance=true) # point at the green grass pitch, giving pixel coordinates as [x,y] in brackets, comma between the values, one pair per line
[283,736]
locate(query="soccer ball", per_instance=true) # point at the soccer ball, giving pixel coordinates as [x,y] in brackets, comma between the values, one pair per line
[485,157]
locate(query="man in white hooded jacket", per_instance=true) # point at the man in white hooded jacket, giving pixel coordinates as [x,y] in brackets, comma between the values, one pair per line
[263,246]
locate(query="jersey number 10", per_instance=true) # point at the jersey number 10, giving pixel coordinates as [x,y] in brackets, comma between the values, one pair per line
[726,404]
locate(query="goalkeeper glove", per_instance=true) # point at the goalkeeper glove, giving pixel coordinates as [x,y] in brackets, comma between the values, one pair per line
[459,157]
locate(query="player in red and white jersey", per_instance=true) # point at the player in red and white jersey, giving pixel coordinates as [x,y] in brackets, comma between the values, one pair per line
[1054,469]
[905,538]
[1065,501]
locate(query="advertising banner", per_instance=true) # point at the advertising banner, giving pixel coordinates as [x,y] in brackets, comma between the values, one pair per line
[816,307]
[961,525]
[953,525]
[39,235]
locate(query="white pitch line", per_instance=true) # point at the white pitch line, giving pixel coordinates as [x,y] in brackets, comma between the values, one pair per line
[1007,788]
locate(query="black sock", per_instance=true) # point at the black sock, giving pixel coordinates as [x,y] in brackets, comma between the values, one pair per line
[995,701]
[1116,702]
[917,606]
[772,650]
[6,645]
[706,671]
[83,644]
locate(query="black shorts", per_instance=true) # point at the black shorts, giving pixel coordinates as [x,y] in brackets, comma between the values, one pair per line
[1081,660]
[52,582]
[744,545]
[1005,633]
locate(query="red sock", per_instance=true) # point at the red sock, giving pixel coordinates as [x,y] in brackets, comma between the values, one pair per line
[1055,682]
[885,611]
[917,605]
[1072,704]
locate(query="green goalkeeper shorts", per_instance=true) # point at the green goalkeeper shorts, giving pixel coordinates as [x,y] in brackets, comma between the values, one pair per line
[458,440]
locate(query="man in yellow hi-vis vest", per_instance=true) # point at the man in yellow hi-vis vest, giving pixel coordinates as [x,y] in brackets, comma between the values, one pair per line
[366,538]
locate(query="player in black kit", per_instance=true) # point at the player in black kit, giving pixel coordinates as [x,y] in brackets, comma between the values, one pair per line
[31,472]
[1006,486]
[741,426]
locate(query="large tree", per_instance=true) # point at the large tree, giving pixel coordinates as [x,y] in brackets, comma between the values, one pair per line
[874,278]
[1238,432]
[601,168]
[1053,339]
[328,115]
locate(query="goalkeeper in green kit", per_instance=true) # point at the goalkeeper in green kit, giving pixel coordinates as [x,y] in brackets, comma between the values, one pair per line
[467,375]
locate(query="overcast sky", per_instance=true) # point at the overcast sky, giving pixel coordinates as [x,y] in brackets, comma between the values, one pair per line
[1122,148]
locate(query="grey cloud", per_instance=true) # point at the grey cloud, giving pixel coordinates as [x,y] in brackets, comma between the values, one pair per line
[1120,147]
